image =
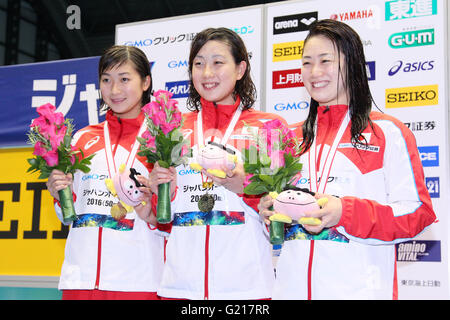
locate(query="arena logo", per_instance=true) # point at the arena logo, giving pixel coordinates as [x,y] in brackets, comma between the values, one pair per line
[139,43]
[353,15]
[412,96]
[411,66]
[410,39]
[400,9]
[293,23]
[301,105]
[180,89]
[287,51]
[419,250]
[429,155]
[287,79]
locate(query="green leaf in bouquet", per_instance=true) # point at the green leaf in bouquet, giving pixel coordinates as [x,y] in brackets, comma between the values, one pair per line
[268,179]
[255,189]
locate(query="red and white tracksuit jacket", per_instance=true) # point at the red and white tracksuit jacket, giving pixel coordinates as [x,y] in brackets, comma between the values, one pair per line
[224,254]
[100,252]
[384,201]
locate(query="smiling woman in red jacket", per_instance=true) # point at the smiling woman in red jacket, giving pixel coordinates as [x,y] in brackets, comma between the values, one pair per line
[107,258]
[367,165]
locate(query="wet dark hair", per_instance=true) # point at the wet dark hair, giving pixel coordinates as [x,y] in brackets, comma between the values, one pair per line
[115,56]
[244,88]
[348,43]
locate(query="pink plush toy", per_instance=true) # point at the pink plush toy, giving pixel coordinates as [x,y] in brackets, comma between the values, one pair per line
[291,205]
[213,157]
[124,185]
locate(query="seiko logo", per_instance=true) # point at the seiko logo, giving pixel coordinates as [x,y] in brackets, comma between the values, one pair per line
[287,51]
[293,22]
[412,96]
[412,39]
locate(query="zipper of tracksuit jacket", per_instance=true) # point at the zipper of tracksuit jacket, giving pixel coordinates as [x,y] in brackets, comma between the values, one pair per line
[100,229]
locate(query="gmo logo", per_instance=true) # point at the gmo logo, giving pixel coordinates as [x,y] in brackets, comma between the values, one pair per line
[302,105]
[177,64]
[139,43]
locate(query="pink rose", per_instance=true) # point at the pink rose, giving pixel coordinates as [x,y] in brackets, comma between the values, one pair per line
[277,159]
[51,158]
[167,127]
[39,149]
[46,110]
[247,179]
[159,118]
[151,108]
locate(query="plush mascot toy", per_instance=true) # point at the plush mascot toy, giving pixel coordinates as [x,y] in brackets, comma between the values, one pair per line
[213,157]
[290,206]
[124,186]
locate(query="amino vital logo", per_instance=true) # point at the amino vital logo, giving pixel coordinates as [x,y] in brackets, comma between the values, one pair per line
[412,96]
[419,250]
[400,9]
[410,39]
[287,51]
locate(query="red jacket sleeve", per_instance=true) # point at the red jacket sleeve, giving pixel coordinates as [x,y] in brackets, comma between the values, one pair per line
[408,210]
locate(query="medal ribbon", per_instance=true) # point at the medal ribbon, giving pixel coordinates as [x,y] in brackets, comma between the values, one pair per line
[228,132]
[312,158]
[108,150]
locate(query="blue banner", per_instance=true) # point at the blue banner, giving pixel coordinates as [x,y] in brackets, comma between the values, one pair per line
[70,85]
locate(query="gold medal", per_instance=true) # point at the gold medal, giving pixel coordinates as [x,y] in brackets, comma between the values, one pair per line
[206,202]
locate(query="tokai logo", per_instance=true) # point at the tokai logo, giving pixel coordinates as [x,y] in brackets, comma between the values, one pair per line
[414,38]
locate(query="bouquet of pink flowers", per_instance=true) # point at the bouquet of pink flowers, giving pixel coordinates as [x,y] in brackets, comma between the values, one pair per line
[51,137]
[271,165]
[164,143]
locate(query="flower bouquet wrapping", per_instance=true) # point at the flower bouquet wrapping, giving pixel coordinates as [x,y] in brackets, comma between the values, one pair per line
[164,143]
[51,136]
[271,165]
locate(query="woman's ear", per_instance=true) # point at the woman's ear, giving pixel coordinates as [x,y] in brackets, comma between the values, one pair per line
[147,82]
[242,66]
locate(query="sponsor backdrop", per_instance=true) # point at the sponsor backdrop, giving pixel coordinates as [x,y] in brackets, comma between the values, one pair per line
[167,42]
[405,44]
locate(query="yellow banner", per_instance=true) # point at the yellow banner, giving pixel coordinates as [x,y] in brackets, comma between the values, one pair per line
[32,239]
[412,96]
[287,51]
